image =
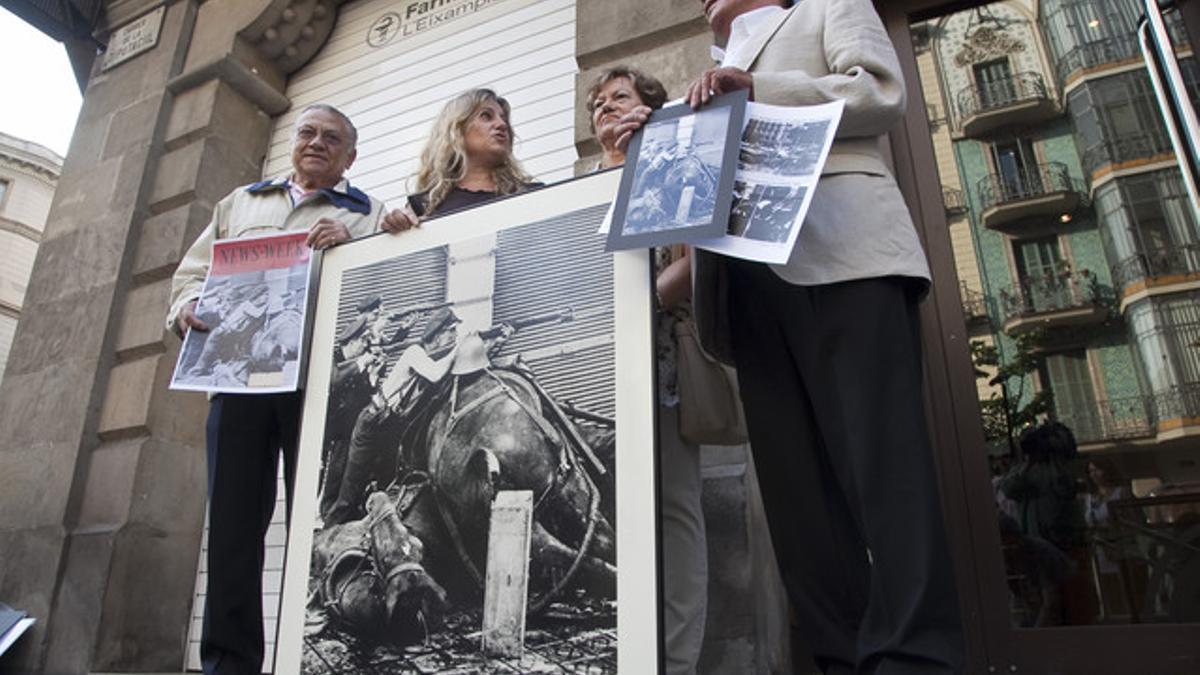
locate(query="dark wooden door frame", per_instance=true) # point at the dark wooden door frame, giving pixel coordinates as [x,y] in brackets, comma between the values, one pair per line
[993,646]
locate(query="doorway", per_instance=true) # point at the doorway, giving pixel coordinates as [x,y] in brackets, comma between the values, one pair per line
[1071,474]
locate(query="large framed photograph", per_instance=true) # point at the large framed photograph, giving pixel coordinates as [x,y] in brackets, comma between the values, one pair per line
[476,486]
[677,185]
[255,303]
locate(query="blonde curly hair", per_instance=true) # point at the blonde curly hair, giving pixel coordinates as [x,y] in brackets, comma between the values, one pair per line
[444,158]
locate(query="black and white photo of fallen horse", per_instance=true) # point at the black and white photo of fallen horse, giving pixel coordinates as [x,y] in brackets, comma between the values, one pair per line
[458,373]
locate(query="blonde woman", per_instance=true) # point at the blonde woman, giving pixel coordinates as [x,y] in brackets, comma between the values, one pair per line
[467,160]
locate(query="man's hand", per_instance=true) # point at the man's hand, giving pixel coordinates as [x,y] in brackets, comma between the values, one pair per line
[187,319]
[327,232]
[717,81]
[401,219]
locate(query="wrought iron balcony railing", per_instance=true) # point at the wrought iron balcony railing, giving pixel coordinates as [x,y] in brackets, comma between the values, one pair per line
[985,97]
[975,304]
[1115,48]
[1098,53]
[1128,417]
[1126,148]
[1049,293]
[1042,180]
[1178,402]
[1176,260]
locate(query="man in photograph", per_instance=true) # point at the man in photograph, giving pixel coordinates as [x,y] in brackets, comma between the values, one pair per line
[228,344]
[375,440]
[828,352]
[246,434]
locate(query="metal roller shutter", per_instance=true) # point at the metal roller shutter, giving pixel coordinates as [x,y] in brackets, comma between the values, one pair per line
[524,49]
[533,277]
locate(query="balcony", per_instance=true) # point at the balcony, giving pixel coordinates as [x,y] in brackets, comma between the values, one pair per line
[1116,419]
[1044,190]
[1158,267]
[1131,149]
[1115,49]
[975,305]
[1091,55]
[1177,407]
[1020,99]
[955,202]
[1054,300]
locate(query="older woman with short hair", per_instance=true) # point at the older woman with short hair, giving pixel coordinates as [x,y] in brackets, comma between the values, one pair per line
[620,101]
[619,92]
[467,160]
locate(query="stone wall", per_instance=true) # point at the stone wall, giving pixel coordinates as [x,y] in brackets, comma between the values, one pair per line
[102,469]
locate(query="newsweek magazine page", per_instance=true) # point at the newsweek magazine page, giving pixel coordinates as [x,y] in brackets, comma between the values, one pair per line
[255,304]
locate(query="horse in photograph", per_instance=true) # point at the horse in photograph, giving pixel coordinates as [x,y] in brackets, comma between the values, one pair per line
[496,429]
[367,578]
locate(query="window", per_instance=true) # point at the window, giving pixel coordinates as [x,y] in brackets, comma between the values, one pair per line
[1148,227]
[3,191]
[1166,331]
[1069,379]
[995,83]
[1039,267]
[1087,33]
[1116,120]
[1017,168]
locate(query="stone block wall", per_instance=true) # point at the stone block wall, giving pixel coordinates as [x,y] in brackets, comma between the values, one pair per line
[102,468]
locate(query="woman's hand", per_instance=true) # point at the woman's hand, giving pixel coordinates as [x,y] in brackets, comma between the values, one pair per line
[614,138]
[401,219]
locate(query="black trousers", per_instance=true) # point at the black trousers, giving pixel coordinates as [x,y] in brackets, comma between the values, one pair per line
[831,381]
[246,435]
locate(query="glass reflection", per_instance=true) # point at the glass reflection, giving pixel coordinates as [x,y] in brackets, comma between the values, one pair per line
[1076,249]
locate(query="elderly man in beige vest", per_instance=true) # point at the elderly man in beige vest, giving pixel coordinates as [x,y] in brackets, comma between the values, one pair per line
[246,434]
[828,352]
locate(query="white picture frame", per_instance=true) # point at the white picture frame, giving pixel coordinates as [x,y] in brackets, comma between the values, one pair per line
[571,210]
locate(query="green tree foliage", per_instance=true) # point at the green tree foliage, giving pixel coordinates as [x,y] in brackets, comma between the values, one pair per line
[1015,407]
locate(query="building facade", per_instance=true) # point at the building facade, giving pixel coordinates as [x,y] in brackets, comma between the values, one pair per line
[1074,241]
[28,177]
[1062,244]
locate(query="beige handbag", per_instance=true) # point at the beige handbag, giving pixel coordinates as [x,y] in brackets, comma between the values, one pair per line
[710,408]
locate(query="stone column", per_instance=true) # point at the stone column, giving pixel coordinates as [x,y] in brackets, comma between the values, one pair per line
[102,469]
